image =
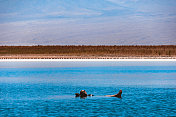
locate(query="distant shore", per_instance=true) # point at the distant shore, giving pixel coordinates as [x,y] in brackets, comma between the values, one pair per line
[88,52]
[79,57]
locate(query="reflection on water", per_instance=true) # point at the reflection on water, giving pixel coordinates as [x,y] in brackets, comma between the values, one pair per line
[149,91]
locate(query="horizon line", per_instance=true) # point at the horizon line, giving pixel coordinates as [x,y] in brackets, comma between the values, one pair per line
[87,45]
[36,60]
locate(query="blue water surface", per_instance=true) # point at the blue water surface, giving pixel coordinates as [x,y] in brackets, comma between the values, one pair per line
[147,91]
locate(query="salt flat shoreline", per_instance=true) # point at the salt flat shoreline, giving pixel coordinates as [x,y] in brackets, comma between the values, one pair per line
[52,57]
[82,60]
[82,52]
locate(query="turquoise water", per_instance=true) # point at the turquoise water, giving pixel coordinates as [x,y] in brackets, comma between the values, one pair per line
[46,91]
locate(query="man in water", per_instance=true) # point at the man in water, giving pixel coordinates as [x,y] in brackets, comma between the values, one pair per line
[116,95]
[82,94]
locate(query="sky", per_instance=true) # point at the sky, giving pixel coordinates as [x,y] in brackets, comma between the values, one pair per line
[87,22]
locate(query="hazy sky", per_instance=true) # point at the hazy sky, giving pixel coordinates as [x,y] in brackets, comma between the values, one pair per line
[97,22]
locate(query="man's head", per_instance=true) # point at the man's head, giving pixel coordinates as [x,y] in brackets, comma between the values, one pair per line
[83,93]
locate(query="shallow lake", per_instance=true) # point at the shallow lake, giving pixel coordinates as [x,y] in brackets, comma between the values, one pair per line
[48,88]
